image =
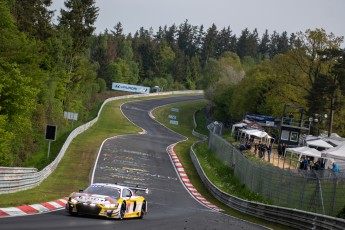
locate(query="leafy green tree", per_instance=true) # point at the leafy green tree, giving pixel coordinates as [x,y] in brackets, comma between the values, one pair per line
[17,104]
[20,80]
[211,73]
[122,72]
[331,84]
[164,59]
[250,93]
[290,85]
[221,100]
[179,66]
[196,73]
[309,60]
[6,138]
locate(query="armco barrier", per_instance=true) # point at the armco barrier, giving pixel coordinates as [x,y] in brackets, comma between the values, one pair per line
[286,216]
[17,179]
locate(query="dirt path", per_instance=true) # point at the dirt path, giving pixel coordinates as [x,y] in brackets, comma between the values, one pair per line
[276,160]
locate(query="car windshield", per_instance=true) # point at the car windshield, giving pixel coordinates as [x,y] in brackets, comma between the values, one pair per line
[103,190]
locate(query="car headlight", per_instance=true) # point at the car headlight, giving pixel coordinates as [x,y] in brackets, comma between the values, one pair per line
[73,201]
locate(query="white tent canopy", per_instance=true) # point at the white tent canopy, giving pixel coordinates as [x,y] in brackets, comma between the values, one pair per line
[310,152]
[319,143]
[238,125]
[334,141]
[336,152]
[256,133]
[305,151]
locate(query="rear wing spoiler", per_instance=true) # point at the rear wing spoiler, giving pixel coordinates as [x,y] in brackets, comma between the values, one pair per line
[137,188]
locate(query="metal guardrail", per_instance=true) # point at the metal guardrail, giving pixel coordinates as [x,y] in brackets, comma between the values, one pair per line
[196,134]
[18,179]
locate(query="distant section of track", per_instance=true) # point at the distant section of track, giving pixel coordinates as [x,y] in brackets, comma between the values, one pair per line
[141,159]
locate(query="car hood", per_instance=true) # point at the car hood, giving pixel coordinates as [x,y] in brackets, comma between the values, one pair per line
[93,198]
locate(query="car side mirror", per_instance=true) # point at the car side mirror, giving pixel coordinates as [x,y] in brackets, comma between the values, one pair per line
[81,190]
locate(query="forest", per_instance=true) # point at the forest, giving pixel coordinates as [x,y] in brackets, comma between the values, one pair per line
[47,68]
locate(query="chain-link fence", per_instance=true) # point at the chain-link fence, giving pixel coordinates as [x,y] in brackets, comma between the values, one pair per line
[320,191]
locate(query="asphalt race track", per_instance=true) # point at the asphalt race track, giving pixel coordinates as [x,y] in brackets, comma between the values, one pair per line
[140,159]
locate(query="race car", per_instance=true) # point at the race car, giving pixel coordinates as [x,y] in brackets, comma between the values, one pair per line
[108,200]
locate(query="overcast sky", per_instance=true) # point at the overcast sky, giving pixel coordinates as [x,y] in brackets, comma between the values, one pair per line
[275,15]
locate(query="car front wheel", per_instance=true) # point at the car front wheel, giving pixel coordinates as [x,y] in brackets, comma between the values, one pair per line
[122,211]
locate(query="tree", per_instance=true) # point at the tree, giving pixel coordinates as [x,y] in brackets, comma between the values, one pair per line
[20,80]
[332,82]
[17,103]
[170,34]
[264,46]
[185,38]
[247,44]
[79,17]
[273,46]
[163,60]
[33,17]
[310,62]
[99,54]
[209,48]
[225,41]
[283,43]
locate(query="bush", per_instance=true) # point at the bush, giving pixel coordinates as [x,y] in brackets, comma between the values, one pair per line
[341,214]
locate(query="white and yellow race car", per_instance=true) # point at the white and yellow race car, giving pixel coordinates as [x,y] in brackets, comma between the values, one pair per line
[108,200]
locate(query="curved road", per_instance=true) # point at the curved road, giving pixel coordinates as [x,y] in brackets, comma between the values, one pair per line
[142,160]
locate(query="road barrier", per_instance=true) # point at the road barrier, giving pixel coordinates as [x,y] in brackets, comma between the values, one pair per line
[18,179]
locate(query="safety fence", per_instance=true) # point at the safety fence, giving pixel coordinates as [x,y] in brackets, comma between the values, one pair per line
[320,191]
[17,179]
[286,216]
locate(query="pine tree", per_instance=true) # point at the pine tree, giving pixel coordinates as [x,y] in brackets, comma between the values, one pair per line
[79,17]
